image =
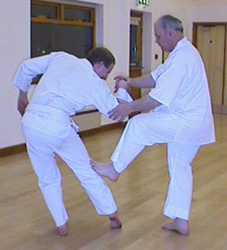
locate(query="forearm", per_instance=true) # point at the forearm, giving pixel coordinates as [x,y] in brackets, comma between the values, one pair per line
[145,81]
[22,102]
[126,108]
[143,104]
[22,94]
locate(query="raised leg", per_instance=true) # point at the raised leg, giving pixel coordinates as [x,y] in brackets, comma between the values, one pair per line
[106,170]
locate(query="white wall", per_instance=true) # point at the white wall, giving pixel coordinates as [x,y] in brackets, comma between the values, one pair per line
[113,22]
[215,12]
[207,2]
[14,47]
[207,11]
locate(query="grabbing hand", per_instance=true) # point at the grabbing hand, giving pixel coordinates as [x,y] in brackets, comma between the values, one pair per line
[122,82]
[120,112]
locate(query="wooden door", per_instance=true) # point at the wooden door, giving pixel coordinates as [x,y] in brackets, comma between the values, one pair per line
[224,110]
[211,45]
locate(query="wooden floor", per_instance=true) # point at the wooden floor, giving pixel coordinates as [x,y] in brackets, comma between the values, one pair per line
[25,223]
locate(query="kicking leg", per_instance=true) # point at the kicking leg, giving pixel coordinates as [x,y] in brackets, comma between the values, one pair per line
[141,130]
[121,157]
[106,170]
[133,140]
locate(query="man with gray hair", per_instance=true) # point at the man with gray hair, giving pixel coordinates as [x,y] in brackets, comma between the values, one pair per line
[182,118]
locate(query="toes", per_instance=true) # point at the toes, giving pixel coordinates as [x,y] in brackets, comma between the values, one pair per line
[176,228]
[62,230]
[115,223]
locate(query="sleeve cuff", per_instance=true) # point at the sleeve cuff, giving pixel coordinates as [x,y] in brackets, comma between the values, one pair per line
[123,95]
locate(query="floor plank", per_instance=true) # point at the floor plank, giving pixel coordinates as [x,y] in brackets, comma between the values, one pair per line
[140,194]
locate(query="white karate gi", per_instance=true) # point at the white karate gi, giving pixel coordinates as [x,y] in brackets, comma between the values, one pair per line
[184,122]
[69,85]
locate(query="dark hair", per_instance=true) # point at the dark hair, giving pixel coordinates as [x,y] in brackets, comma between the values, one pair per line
[170,22]
[101,54]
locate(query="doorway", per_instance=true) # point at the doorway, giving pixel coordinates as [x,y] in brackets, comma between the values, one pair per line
[136,49]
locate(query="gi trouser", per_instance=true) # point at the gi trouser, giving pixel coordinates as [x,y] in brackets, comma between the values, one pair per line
[146,130]
[42,149]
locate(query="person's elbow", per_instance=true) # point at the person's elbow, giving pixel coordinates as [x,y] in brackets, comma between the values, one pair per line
[152,103]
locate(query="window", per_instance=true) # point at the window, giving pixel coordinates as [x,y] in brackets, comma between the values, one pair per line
[61,27]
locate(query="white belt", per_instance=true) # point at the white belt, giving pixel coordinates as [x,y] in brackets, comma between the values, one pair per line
[51,113]
[48,112]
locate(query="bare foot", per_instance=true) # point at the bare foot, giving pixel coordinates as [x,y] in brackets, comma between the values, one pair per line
[105,169]
[63,230]
[178,225]
[115,222]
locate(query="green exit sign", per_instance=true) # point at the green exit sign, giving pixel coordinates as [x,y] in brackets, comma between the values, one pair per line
[143,2]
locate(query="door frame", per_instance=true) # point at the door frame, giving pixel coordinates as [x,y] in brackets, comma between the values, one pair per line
[135,71]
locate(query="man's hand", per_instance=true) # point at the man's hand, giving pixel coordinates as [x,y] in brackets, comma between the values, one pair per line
[120,112]
[122,82]
[119,78]
[22,102]
[125,108]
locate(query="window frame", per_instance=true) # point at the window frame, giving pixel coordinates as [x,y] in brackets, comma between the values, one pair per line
[61,21]
[60,15]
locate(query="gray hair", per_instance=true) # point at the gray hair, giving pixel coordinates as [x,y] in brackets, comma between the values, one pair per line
[170,22]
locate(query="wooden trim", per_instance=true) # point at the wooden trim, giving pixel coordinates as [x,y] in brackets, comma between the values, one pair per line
[194,36]
[102,129]
[224,109]
[62,12]
[12,150]
[217,109]
[4,152]
[86,112]
[45,3]
[48,4]
[60,16]
[56,21]
[224,70]
[209,24]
